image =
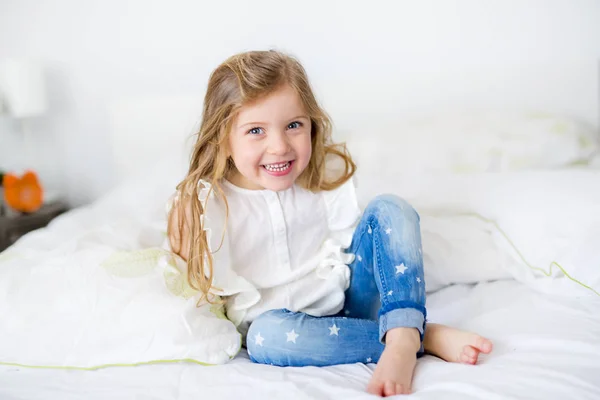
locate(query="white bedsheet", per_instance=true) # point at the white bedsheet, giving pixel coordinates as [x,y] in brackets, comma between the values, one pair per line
[545,348]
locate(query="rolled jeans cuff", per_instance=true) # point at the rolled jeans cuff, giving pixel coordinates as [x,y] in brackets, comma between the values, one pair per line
[402,318]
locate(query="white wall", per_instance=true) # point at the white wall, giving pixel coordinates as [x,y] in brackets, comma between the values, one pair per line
[386,57]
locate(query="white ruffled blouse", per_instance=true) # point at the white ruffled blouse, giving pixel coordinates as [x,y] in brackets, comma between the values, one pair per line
[280,249]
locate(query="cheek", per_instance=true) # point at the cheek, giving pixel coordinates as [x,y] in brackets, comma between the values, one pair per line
[303,149]
[308,154]
[237,153]
[245,155]
[307,147]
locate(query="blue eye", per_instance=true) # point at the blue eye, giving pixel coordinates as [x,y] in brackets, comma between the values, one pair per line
[255,131]
[294,125]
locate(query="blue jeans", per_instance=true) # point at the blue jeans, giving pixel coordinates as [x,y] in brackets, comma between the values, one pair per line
[387,290]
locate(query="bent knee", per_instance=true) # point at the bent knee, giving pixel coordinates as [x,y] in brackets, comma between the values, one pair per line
[265,322]
[386,204]
[265,334]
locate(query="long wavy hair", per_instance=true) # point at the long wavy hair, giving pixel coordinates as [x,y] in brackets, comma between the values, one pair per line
[242,79]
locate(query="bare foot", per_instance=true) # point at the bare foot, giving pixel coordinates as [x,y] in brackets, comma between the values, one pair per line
[394,372]
[454,345]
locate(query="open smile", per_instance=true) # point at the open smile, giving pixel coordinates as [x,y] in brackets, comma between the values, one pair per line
[278,169]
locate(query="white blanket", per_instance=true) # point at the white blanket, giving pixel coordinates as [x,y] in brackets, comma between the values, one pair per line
[89,291]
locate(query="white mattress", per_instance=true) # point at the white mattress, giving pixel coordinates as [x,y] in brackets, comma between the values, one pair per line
[546,347]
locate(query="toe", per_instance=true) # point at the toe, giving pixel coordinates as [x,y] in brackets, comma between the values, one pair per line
[399,389]
[482,344]
[466,360]
[402,389]
[485,345]
[389,388]
[375,388]
[470,352]
[469,355]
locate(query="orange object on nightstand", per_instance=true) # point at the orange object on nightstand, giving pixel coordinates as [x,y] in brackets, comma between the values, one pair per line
[24,193]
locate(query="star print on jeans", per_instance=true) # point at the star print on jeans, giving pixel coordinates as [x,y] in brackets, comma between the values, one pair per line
[291,336]
[400,269]
[333,330]
[258,339]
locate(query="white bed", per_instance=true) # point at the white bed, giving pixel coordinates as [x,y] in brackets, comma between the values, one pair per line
[485,232]
[545,348]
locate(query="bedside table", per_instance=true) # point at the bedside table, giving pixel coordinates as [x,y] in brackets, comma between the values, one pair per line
[12,227]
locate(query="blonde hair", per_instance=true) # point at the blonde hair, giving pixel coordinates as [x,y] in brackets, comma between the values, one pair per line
[241,79]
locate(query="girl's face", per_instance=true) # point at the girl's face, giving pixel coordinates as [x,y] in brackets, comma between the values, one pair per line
[270,142]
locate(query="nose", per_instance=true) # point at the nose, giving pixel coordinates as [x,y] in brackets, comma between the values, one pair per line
[278,144]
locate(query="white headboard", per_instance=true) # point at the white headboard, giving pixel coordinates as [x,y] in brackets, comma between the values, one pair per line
[152,129]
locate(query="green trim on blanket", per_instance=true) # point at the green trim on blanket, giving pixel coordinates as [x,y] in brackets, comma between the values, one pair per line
[8,255]
[96,367]
[133,263]
[522,257]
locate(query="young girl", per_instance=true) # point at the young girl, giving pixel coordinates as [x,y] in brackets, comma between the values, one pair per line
[266,222]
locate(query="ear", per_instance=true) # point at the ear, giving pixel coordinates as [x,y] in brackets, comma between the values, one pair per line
[10,180]
[30,177]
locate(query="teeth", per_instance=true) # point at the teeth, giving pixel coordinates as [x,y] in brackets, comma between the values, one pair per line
[278,167]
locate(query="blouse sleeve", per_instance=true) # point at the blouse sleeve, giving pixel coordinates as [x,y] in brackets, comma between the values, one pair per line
[343,212]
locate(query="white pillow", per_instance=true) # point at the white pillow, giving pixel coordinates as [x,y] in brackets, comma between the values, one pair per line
[595,161]
[474,142]
[540,222]
[448,250]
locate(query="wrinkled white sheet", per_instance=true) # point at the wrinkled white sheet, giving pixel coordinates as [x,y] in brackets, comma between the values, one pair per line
[545,348]
[546,345]
[93,289]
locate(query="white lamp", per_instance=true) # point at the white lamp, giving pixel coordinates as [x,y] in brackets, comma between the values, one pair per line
[22,96]
[22,88]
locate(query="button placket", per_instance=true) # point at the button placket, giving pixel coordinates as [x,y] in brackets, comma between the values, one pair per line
[279,229]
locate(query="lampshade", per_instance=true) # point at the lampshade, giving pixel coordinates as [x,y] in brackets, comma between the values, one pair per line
[22,88]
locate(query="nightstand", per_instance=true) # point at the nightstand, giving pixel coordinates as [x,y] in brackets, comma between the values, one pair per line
[12,227]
